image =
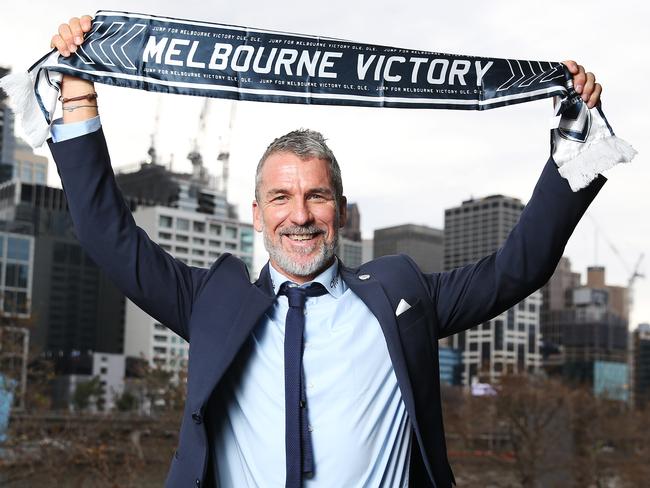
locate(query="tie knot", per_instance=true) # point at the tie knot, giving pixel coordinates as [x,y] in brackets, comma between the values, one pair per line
[297,295]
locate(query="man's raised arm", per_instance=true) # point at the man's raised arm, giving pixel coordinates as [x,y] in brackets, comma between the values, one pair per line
[162,286]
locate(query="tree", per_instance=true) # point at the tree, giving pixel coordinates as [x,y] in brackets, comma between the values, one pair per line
[88,392]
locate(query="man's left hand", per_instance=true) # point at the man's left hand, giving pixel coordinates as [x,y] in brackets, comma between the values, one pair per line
[584,83]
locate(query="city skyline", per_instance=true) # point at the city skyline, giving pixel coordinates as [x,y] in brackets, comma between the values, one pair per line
[403,174]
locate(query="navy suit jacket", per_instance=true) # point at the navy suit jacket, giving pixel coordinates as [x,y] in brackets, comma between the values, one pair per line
[216,309]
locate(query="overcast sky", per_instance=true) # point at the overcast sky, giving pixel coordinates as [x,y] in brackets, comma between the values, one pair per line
[404,165]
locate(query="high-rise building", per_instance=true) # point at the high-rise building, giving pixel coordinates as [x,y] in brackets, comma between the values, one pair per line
[16,270]
[75,305]
[423,244]
[27,166]
[194,238]
[154,184]
[585,333]
[352,228]
[7,142]
[641,363]
[557,292]
[350,252]
[509,343]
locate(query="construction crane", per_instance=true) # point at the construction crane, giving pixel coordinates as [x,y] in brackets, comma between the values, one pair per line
[633,273]
[224,150]
[153,156]
[195,157]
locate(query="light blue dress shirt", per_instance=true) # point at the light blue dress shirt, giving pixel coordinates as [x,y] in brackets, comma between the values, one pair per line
[360,429]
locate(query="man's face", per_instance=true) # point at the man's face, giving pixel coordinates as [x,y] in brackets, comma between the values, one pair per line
[298,215]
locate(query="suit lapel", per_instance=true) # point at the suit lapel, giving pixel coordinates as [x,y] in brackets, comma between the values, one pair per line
[214,358]
[373,295]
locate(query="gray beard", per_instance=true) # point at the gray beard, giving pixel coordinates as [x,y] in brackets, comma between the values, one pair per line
[318,263]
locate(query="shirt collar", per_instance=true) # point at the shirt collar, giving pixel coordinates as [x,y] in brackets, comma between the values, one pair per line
[329,278]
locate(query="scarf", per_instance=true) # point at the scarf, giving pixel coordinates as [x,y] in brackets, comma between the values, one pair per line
[213,60]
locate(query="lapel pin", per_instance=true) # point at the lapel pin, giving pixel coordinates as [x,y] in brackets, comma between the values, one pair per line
[364,277]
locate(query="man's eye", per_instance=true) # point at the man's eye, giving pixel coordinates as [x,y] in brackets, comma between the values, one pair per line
[279,198]
[316,196]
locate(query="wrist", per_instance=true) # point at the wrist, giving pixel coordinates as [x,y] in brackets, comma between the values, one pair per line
[73,87]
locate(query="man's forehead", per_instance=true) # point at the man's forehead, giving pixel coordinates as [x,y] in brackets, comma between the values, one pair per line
[286,165]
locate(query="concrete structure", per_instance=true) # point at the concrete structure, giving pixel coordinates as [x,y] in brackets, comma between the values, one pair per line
[27,166]
[153,184]
[7,141]
[367,251]
[449,361]
[194,238]
[611,380]
[423,244]
[17,271]
[352,228]
[641,365]
[557,293]
[509,343]
[350,252]
[588,327]
[75,305]
[81,368]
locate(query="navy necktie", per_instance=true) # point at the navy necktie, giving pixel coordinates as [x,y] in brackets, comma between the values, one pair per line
[300,456]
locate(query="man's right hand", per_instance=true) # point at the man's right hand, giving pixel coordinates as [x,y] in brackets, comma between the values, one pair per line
[70,36]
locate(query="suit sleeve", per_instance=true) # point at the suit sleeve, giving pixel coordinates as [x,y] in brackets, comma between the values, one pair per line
[159,284]
[470,295]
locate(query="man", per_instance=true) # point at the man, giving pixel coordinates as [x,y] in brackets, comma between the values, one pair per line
[362,406]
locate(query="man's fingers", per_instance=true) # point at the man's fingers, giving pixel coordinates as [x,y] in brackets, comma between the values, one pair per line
[58,43]
[595,96]
[86,22]
[571,65]
[66,35]
[589,86]
[77,32]
[579,79]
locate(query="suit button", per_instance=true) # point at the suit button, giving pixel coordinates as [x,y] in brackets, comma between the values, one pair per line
[197,418]
[176,454]
[198,483]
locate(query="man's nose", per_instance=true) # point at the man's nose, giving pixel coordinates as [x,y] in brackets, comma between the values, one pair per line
[300,213]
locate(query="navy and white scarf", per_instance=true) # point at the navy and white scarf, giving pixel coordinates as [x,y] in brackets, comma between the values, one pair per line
[213,60]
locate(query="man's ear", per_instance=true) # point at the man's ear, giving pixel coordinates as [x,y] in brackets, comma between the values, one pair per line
[343,211]
[257,216]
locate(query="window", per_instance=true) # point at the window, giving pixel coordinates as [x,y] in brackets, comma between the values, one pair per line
[103,370]
[39,176]
[16,275]
[198,252]
[198,240]
[165,221]
[215,229]
[199,226]
[231,232]
[182,224]
[181,238]
[214,243]
[246,240]
[231,245]
[18,248]
[164,235]
[183,250]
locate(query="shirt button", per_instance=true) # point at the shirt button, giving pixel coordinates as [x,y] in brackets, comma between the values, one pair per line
[310,428]
[197,418]
[310,385]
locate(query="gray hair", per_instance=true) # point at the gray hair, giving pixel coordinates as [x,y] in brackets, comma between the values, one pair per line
[305,144]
